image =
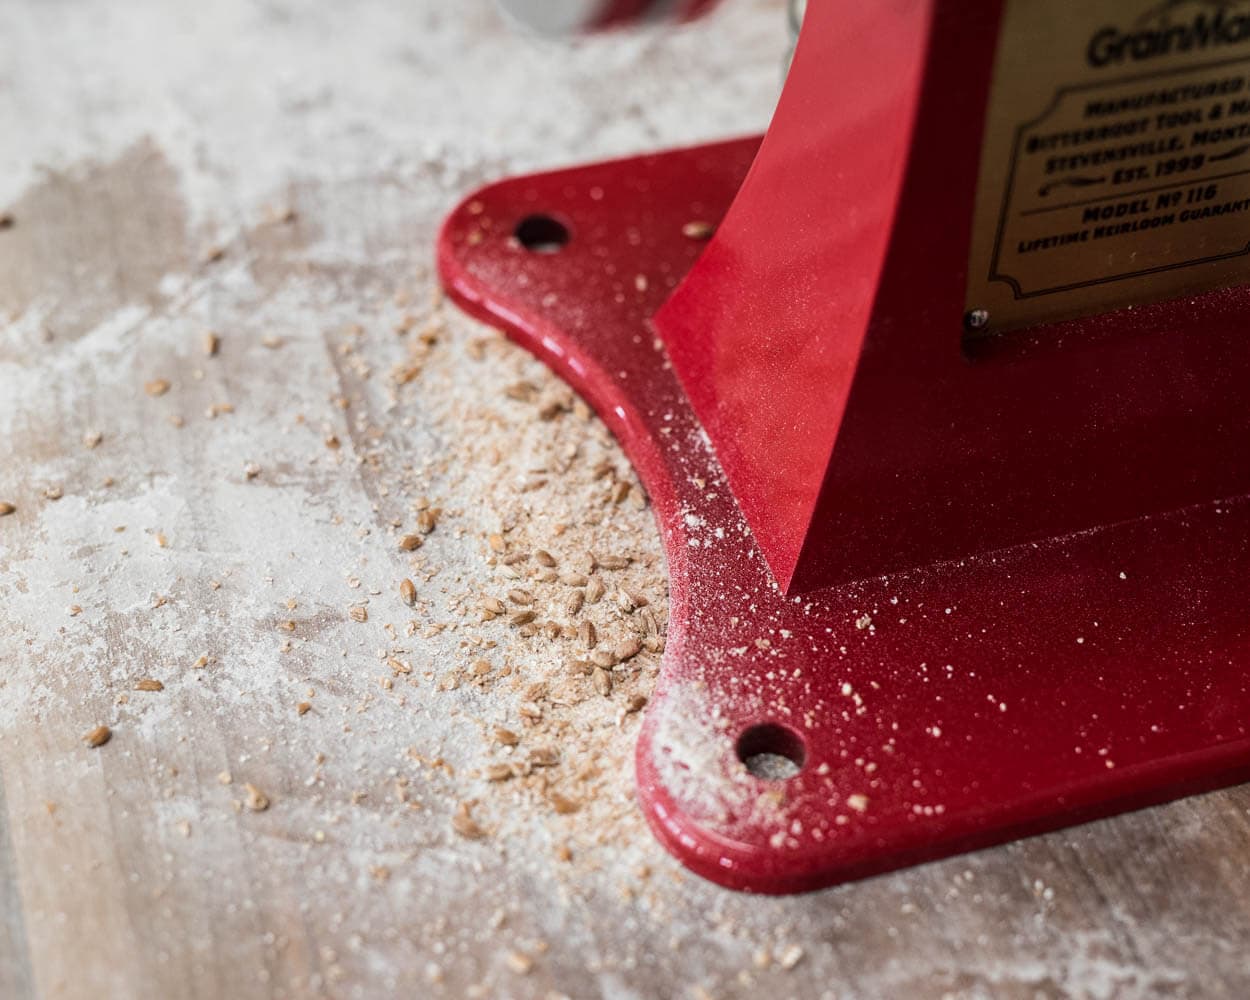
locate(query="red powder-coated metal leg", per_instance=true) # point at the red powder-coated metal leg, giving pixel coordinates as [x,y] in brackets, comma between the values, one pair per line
[937,709]
[835,290]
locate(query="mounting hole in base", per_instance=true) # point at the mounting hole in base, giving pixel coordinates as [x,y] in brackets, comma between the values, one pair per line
[771,751]
[541,234]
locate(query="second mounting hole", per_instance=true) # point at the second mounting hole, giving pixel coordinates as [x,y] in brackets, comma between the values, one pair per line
[771,751]
[541,234]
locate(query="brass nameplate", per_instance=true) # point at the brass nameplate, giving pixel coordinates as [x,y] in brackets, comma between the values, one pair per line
[1116,163]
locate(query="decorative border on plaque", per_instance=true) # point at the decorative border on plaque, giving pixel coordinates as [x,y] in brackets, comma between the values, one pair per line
[1155,146]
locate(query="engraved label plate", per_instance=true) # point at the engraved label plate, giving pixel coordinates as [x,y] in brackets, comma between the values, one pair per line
[1116,163]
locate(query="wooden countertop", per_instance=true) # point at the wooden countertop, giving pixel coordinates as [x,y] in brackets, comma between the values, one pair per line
[274,172]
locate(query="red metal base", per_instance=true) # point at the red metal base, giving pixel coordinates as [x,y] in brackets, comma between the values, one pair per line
[936,710]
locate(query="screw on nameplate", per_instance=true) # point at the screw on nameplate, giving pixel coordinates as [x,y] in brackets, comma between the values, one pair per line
[976,319]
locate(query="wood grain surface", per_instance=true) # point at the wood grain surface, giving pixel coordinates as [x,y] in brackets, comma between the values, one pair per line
[275,171]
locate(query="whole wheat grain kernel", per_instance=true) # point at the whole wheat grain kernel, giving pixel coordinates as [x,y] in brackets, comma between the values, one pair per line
[627,648]
[544,756]
[790,957]
[636,597]
[257,801]
[464,824]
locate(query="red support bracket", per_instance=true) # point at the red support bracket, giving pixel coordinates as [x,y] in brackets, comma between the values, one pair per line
[1063,630]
